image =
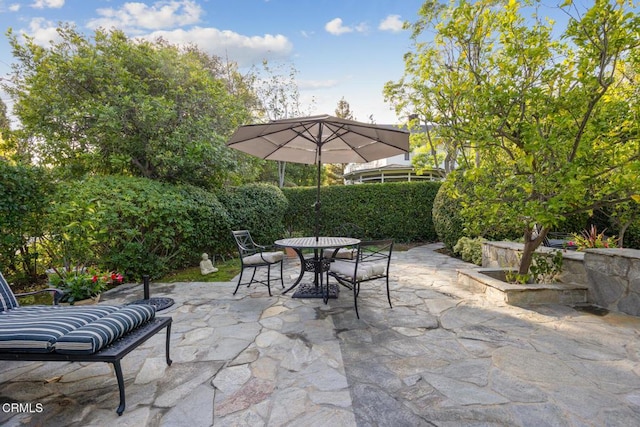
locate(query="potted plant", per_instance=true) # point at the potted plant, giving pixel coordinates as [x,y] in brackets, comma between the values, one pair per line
[83,285]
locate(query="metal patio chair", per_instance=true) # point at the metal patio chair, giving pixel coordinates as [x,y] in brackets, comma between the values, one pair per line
[253,255]
[371,262]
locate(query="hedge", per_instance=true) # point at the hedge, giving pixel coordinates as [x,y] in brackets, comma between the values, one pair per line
[400,210]
[259,208]
[24,194]
[134,225]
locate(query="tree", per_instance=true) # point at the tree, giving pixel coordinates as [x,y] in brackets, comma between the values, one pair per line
[334,172]
[5,125]
[279,98]
[114,105]
[553,123]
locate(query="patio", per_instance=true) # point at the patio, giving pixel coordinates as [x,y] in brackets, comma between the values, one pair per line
[442,356]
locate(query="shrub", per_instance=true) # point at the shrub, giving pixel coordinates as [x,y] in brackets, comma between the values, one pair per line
[259,208]
[470,250]
[401,210]
[24,194]
[447,221]
[134,225]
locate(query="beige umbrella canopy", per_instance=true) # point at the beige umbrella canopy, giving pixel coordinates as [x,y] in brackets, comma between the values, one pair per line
[320,139]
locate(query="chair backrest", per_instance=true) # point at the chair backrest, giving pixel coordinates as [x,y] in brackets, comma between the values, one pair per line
[244,242]
[537,229]
[7,298]
[375,251]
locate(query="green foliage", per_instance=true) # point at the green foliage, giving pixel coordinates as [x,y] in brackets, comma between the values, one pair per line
[470,250]
[79,284]
[134,225]
[24,194]
[543,269]
[447,221]
[259,208]
[590,238]
[546,126]
[391,210]
[113,105]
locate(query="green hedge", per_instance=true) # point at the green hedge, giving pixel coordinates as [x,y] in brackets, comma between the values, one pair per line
[259,208]
[134,225]
[448,222]
[24,194]
[390,210]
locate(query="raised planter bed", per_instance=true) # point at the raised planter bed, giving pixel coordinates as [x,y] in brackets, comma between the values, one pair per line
[490,282]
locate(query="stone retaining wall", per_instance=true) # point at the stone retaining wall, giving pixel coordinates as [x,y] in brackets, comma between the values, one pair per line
[612,276]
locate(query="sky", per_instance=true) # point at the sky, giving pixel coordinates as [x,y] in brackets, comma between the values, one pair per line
[340,48]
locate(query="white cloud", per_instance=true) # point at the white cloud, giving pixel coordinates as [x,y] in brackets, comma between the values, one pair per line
[139,16]
[391,23]
[316,84]
[336,28]
[42,31]
[47,4]
[15,7]
[245,50]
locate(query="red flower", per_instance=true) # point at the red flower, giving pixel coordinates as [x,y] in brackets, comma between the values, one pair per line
[94,279]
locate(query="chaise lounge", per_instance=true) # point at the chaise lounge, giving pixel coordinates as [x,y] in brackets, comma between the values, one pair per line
[100,333]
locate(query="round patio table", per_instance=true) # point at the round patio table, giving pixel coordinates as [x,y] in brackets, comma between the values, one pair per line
[317,264]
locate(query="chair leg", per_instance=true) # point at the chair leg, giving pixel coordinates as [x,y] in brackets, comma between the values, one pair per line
[281,277]
[388,293]
[269,278]
[239,280]
[252,276]
[356,290]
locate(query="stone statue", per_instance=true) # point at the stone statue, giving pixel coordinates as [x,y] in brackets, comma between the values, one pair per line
[206,266]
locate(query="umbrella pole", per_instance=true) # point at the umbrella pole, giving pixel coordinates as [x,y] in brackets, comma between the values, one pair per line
[317,227]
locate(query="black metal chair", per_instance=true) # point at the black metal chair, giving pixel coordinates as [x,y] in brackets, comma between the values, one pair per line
[253,255]
[555,240]
[371,262]
[343,230]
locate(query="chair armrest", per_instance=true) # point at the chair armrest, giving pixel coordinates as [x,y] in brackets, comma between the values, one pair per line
[57,294]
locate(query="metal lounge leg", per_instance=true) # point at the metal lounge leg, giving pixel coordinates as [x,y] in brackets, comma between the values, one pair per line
[169,361]
[118,369]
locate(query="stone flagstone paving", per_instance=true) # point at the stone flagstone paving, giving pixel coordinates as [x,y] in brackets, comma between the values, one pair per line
[441,357]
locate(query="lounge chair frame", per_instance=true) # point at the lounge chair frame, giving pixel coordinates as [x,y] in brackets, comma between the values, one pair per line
[111,354]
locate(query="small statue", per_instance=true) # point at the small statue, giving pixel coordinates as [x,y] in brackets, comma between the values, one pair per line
[206,266]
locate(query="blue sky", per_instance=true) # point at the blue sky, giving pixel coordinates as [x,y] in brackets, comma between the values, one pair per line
[341,48]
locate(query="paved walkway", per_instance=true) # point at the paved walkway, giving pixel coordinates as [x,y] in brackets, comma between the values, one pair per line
[440,357]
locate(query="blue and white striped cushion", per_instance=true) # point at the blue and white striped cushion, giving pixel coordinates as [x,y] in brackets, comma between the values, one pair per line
[92,337]
[35,329]
[7,299]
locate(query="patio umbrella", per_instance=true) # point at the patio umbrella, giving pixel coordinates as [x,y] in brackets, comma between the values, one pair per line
[320,139]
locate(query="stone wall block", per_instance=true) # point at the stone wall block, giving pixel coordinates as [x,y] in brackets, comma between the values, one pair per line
[606,289]
[634,270]
[630,304]
[597,262]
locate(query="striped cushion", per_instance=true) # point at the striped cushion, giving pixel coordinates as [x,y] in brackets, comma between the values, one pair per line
[35,329]
[90,338]
[7,299]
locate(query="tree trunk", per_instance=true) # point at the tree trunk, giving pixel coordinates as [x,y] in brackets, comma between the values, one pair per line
[530,246]
[281,169]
